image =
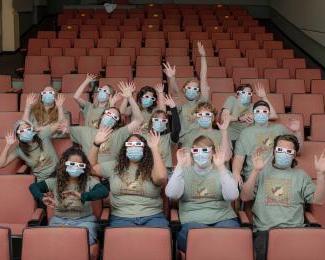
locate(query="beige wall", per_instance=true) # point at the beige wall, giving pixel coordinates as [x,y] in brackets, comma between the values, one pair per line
[10,27]
[308,16]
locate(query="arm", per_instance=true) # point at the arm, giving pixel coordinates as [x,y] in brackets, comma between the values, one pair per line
[161,99]
[77,95]
[247,190]
[229,185]
[175,187]
[59,103]
[38,189]
[237,166]
[30,102]
[319,195]
[225,140]
[99,191]
[7,155]
[171,78]
[205,89]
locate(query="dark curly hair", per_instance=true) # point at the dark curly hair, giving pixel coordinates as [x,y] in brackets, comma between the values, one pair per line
[118,123]
[290,138]
[141,93]
[145,166]
[243,86]
[63,177]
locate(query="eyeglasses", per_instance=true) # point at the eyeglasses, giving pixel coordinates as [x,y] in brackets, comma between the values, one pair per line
[259,111]
[284,150]
[155,119]
[149,97]
[193,88]
[243,92]
[77,164]
[201,114]
[20,131]
[137,144]
[108,113]
[104,90]
[48,92]
[204,150]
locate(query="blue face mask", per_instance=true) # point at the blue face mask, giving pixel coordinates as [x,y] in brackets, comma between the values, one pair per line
[74,171]
[204,121]
[134,153]
[102,96]
[159,126]
[48,99]
[245,99]
[146,102]
[261,118]
[283,160]
[108,121]
[27,136]
[202,159]
[191,94]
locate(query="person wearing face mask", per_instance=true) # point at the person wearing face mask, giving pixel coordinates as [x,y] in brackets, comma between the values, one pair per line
[109,121]
[104,98]
[194,91]
[205,115]
[204,187]
[149,100]
[35,148]
[261,134]
[280,190]
[45,109]
[73,189]
[136,179]
[240,108]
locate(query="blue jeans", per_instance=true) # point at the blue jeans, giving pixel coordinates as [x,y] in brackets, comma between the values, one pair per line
[158,220]
[182,235]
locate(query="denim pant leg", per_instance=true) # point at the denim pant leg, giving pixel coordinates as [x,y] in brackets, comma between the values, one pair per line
[182,234]
[116,222]
[157,221]
[234,222]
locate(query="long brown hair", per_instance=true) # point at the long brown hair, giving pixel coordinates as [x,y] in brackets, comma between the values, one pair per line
[63,177]
[145,166]
[142,92]
[44,117]
[154,115]
[290,138]
[209,107]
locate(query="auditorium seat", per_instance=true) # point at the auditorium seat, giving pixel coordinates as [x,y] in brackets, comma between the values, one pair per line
[46,34]
[135,35]
[111,35]
[60,43]
[282,54]
[89,35]
[143,243]
[219,99]
[308,75]
[113,82]
[296,243]
[36,82]
[148,61]
[119,72]
[71,105]
[50,52]
[317,126]
[264,63]
[61,145]
[49,242]
[150,51]
[225,44]
[90,64]
[15,166]
[243,73]
[176,35]
[307,104]
[61,65]
[293,64]
[285,119]
[261,37]
[107,43]
[71,82]
[251,54]
[5,244]
[238,37]
[221,84]
[5,83]
[8,102]
[149,71]
[84,43]
[235,63]
[22,210]
[248,45]
[35,45]
[217,242]
[274,74]
[67,35]
[265,83]
[277,101]
[132,43]
[36,64]
[75,52]
[156,43]
[289,86]
[125,52]
[318,86]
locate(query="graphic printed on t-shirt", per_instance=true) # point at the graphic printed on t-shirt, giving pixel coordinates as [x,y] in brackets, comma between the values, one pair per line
[277,192]
[203,190]
[131,186]
[43,161]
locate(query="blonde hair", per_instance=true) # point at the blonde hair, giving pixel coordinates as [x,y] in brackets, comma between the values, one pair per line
[43,116]
[204,141]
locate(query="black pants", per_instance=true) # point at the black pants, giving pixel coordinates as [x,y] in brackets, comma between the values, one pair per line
[261,239]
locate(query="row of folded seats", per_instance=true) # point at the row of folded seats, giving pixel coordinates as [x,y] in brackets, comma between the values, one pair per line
[22,218]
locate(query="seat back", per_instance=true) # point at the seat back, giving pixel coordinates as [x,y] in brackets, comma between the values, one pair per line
[9,102]
[36,64]
[274,74]
[8,120]
[15,189]
[296,243]
[53,243]
[317,123]
[264,63]
[5,244]
[289,86]
[71,82]
[61,65]
[90,64]
[308,75]
[12,167]
[217,242]
[293,64]
[5,83]
[143,243]
[35,83]
[244,73]
[71,105]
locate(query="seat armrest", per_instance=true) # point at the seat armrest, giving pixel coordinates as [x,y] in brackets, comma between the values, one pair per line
[36,217]
[24,169]
[311,220]
[244,220]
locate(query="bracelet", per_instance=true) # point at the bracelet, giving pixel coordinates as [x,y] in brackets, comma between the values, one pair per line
[97,145]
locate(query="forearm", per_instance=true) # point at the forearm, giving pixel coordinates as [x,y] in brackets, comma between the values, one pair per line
[175,186]
[4,156]
[247,191]
[228,184]
[225,144]
[319,195]
[176,125]
[27,112]
[77,95]
[237,164]
[172,86]
[38,189]
[61,115]
[123,106]
[99,191]
[205,89]
[136,112]
[160,103]
[159,171]
[93,155]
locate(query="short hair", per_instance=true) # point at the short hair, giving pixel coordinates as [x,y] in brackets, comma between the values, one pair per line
[243,86]
[290,138]
[261,103]
[204,140]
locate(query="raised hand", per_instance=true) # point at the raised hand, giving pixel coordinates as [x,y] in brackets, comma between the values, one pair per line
[169,70]
[258,161]
[60,100]
[184,158]
[153,140]
[103,134]
[219,157]
[31,100]
[72,193]
[91,77]
[159,88]
[319,163]
[11,138]
[113,99]
[294,125]
[201,48]
[169,101]
[260,90]
[247,118]
[49,201]
[127,89]
[225,122]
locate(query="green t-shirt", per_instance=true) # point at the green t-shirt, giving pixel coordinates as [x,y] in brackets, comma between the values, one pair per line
[280,198]
[42,162]
[71,207]
[202,200]
[236,109]
[131,197]
[254,137]
[186,115]
[92,114]
[109,150]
